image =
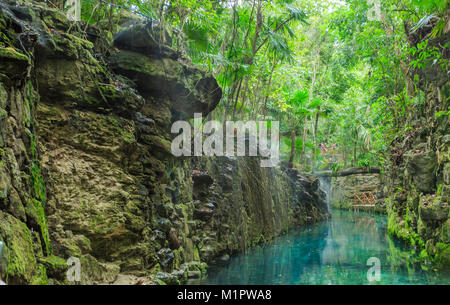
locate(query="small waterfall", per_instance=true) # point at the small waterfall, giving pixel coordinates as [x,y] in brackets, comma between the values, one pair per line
[325,185]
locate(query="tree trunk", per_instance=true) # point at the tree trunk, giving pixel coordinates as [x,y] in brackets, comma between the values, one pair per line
[316,124]
[237,98]
[292,155]
[244,98]
[349,171]
[311,94]
[268,86]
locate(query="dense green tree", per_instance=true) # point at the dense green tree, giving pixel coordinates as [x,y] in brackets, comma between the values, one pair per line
[335,73]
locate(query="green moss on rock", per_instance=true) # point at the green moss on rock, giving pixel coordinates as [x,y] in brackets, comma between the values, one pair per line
[8,53]
[22,264]
[12,62]
[442,256]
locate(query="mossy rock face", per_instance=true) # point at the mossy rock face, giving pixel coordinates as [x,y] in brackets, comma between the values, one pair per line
[433,209]
[190,90]
[55,45]
[421,167]
[442,257]
[55,266]
[363,191]
[158,72]
[146,38]
[398,226]
[445,232]
[97,180]
[13,63]
[56,19]
[10,53]
[22,266]
[421,177]
[95,272]
[4,184]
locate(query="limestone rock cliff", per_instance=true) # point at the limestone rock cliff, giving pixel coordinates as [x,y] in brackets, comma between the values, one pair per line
[358,192]
[86,169]
[417,173]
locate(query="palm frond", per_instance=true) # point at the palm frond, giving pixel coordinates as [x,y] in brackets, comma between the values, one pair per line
[197,35]
[297,14]
[422,22]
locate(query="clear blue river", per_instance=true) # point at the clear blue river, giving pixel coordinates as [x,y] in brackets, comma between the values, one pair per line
[334,252]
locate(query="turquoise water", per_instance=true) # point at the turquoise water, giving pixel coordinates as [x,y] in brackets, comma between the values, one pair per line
[332,252]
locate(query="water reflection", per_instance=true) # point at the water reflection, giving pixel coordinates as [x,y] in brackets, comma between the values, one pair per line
[333,252]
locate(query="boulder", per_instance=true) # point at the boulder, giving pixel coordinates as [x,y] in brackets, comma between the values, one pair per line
[166,258]
[154,67]
[432,208]
[13,63]
[201,178]
[189,89]
[146,38]
[421,167]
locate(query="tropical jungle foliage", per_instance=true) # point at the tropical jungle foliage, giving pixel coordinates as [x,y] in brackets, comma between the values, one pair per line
[338,74]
